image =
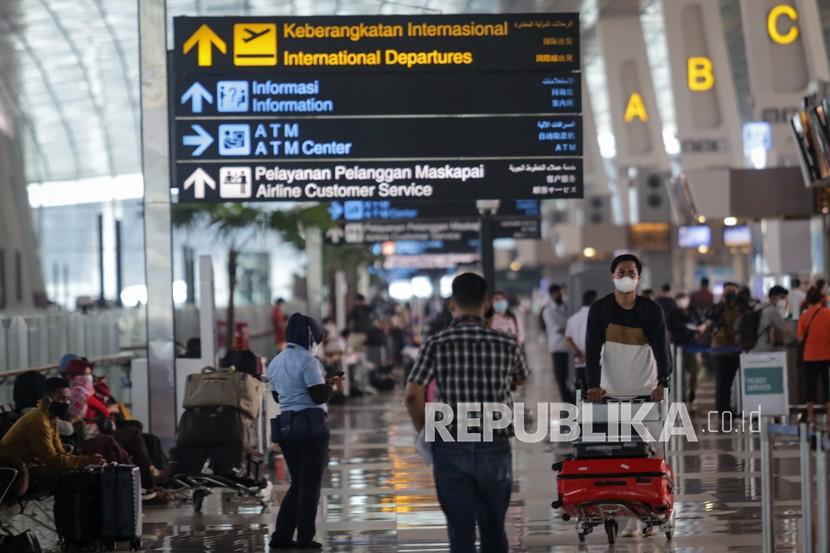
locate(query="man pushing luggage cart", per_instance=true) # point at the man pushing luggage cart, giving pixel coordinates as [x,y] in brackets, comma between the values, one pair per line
[627,357]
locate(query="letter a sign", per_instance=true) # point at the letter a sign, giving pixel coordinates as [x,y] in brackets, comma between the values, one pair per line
[636,108]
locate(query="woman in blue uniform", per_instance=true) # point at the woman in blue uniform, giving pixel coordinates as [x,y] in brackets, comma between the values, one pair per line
[298,384]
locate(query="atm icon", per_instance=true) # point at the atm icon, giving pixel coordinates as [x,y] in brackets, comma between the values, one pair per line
[353,211]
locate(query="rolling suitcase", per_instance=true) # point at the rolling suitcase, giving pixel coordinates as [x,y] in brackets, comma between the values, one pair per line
[647,484]
[78,509]
[120,506]
[216,426]
[99,507]
[600,450]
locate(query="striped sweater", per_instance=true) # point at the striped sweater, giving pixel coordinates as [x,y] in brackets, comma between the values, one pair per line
[626,349]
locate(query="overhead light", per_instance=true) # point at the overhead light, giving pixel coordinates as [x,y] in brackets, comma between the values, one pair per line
[703,249]
[589,252]
[730,221]
[701,219]
[388,248]
[421,286]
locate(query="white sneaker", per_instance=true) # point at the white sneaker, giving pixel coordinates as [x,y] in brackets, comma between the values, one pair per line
[632,528]
[265,493]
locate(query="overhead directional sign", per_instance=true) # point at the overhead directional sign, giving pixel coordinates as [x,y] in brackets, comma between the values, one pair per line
[372,210]
[362,222]
[378,107]
[455,231]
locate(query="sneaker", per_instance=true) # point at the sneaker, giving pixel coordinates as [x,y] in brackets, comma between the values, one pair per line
[632,528]
[265,492]
[147,495]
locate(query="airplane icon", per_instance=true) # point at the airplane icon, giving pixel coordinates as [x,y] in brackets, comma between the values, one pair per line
[254,44]
[251,34]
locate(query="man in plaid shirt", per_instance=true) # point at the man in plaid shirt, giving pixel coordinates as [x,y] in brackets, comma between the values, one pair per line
[471,363]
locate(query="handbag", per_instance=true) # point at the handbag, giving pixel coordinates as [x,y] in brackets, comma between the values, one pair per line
[224,388]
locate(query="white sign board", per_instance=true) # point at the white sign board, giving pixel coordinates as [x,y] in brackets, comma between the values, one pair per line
[764,383]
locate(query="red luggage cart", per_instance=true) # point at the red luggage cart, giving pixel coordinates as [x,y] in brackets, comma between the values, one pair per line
[598,491]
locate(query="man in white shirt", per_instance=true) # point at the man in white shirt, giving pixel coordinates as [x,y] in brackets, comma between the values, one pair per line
[797,297]
[555,316]
[575,335]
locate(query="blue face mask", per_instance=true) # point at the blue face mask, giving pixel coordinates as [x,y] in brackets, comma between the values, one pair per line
[500,306]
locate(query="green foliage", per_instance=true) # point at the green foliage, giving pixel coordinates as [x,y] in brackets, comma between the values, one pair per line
[230,218]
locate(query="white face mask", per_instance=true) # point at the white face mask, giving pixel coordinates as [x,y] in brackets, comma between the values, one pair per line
[625,285]
[314,349]
[783,307]
[683,304]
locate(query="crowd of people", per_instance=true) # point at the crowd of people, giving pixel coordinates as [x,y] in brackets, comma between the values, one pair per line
[705,332]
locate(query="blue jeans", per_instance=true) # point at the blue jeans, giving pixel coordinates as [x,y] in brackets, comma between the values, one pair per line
[474,482]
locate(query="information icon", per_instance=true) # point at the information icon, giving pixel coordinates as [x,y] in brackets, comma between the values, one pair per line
[232,96]
[234,140]
[235,182]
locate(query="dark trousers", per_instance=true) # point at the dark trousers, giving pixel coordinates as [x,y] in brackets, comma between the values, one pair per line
[306,458]
[817,370]
[726,366]
[474,481]
[561,368]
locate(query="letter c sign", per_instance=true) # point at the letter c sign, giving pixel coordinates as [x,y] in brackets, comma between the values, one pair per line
[772,24]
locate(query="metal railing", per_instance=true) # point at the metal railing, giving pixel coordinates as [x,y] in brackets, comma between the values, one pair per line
[115,367]
[803,434]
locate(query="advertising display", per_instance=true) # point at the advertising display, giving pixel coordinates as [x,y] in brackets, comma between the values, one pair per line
[694,236]
[427,107]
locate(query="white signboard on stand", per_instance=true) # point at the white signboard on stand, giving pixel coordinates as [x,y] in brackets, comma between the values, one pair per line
[764,383]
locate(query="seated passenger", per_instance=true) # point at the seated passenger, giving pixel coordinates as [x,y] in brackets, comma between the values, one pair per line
[98,420]
[34,439]
[29,389]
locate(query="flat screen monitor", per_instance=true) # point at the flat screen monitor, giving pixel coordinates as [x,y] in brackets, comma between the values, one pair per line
[812,133]
[694,236]
[737,237]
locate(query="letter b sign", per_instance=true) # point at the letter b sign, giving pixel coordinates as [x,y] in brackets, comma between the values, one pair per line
[701,75]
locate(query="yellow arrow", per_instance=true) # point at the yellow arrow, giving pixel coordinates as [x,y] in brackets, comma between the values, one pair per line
[205,38]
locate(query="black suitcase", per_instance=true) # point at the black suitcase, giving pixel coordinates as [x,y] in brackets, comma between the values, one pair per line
[598,450]
[78,509]
[120,506]
[216,426]
[99,507]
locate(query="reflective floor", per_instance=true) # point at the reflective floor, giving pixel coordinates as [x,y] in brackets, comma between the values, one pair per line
[379,496]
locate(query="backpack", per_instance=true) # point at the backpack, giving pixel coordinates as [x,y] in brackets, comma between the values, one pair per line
[747,328]
[542,324]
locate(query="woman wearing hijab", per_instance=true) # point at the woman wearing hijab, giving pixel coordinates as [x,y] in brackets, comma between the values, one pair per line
[299,385]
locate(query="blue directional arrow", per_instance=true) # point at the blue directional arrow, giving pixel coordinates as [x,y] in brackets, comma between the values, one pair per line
[335,210]
[195,95]
[202,140]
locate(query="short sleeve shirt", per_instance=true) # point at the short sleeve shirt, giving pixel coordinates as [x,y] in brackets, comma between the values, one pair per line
[291,373]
